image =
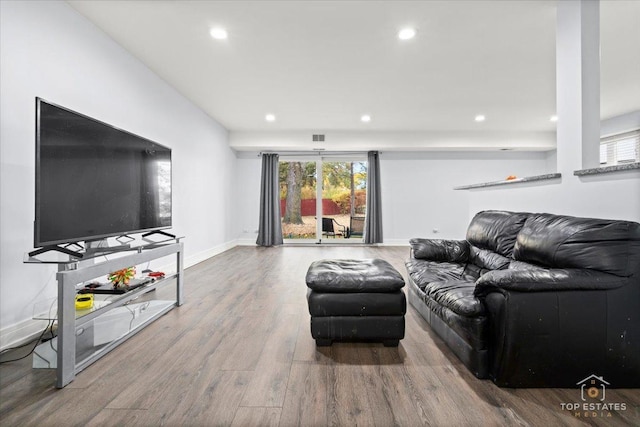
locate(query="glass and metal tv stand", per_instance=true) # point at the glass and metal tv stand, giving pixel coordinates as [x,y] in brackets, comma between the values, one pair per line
[85,335]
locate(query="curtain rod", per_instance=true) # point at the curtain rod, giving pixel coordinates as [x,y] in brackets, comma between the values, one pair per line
[318,153]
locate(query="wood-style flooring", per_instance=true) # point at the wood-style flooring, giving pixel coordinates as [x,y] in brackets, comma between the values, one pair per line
[239,353]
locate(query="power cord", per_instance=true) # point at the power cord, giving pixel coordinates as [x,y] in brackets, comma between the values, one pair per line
[37,341]
[49,327]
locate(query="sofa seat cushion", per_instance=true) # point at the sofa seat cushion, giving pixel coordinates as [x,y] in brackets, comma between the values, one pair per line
[472,330]
[423,272]
[457,296]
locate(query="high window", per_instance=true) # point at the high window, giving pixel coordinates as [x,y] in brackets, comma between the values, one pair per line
[620,149]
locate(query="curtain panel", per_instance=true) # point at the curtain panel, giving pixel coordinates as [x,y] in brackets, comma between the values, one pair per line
[373,222]
[269,228]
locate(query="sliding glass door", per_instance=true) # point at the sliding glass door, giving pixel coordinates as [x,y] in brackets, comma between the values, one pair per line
[333,211]
[298,182]
[344,199]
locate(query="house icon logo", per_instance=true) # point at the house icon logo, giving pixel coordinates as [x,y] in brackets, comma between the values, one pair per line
[593,387]
[593,392]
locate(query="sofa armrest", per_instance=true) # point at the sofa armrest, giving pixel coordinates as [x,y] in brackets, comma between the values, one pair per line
[440,250]
[539,279]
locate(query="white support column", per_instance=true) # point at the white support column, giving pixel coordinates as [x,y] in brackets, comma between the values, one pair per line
[578,85]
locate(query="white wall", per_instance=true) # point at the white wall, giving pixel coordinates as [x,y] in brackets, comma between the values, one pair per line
[418,194]
[247,179]
[619,124]
[417,189]
[49,50]
[615,196]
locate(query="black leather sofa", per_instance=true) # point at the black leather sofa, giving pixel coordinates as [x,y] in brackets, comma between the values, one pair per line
[535,300]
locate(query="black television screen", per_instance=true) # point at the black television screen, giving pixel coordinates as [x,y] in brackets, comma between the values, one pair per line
[94,180]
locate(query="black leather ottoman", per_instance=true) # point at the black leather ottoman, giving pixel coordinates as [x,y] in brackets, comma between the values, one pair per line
[356,300]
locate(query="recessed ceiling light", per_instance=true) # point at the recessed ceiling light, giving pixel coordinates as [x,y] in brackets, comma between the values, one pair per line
[365,118]
[406,33]
[553,118]
[218,33]
[480,118]
[270,118]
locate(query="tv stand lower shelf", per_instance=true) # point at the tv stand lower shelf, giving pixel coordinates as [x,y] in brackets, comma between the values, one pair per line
[84,337]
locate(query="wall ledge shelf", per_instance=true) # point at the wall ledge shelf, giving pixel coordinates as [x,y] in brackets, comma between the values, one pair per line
[607,169]
[535,178]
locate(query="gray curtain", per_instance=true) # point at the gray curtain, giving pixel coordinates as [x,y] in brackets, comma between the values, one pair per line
[373,222]
[270,228]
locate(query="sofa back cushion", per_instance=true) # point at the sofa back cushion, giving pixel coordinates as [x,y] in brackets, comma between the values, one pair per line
[496,230]
[556,241]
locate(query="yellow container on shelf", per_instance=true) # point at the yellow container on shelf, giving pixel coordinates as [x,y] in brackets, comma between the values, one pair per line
[84,301]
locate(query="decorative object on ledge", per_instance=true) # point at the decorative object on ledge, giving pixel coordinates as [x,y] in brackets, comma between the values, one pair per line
[511,178]
[121,278]
[510,181]
[607,169]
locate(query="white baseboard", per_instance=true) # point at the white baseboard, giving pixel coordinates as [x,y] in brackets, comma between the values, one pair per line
[246,242]
[396,242]
[192,260]
[21,333]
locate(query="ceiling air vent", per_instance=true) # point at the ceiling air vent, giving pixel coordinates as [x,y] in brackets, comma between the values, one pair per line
[317,138]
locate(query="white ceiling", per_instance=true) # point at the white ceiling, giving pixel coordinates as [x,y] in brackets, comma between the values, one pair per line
[320,65]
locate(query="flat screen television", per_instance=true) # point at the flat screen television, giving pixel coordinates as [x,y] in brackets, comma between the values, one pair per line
[94,180]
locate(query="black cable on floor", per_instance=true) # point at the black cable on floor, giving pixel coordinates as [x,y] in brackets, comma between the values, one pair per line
[49,326]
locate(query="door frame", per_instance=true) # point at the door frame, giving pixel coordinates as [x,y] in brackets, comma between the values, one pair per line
[319,160]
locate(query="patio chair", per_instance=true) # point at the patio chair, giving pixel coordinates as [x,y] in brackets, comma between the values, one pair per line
[328,228]
[356,226]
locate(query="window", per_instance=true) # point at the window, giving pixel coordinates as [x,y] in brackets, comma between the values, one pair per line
[620,149]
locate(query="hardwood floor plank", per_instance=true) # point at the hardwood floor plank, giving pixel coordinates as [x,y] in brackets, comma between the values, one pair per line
[347,400]
[123,362]
[306,398]
[128,417]
[192,382]
[217,402]
[64,407]
[144,387]
[256,417]
[247,345]
[32,387]
[269,382]
[388,390]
